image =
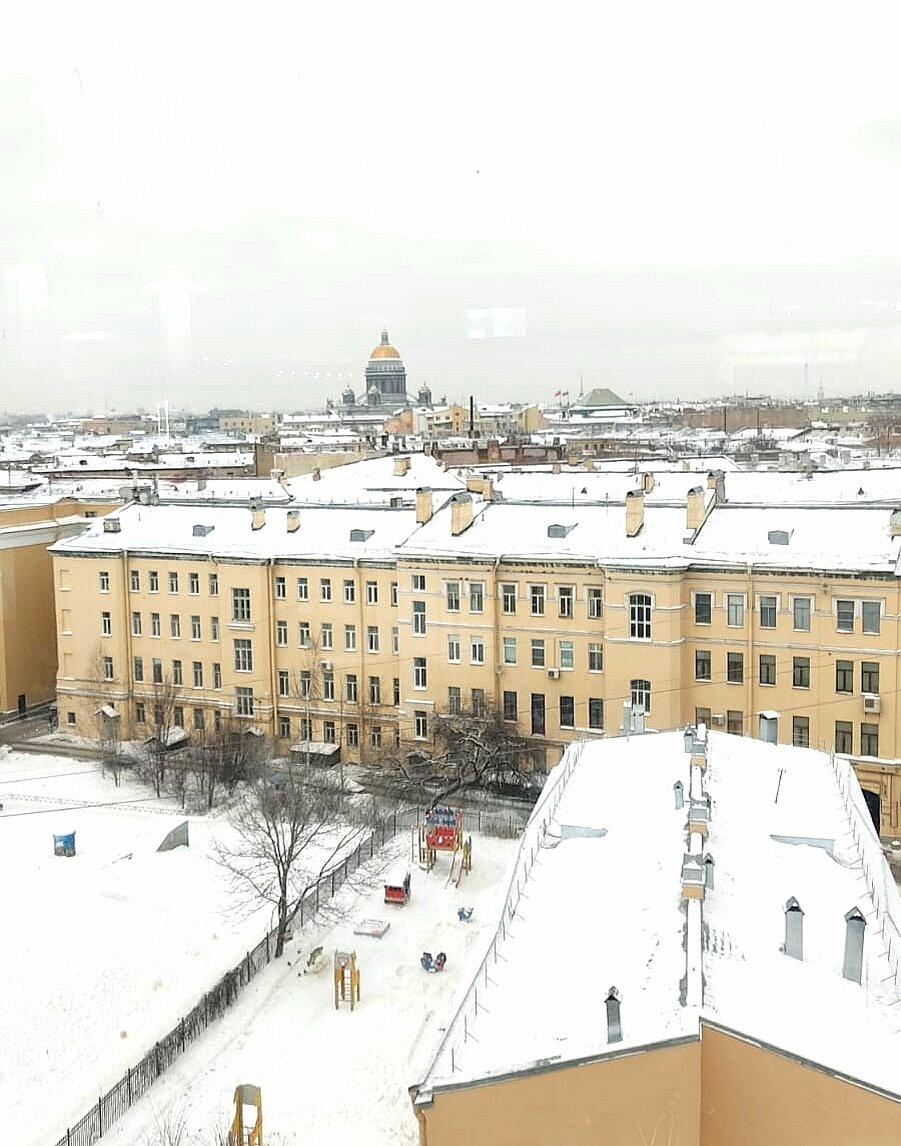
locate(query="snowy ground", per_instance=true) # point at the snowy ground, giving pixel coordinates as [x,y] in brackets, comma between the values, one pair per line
[103,953]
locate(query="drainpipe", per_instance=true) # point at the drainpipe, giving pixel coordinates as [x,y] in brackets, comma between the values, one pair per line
[270,594]
[498,647]
[363,645]
[129,643]
[750,654]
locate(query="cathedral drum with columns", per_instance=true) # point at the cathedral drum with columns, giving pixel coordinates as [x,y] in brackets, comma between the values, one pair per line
[386,378]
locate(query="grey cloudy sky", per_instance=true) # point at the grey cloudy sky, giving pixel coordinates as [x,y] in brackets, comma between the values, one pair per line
[683,199]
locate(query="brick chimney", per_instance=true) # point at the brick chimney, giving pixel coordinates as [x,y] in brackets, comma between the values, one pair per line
[634,512]
[424,508]
[461,513]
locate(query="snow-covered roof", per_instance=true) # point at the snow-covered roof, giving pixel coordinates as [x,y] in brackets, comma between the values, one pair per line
[372,481]
[601,907]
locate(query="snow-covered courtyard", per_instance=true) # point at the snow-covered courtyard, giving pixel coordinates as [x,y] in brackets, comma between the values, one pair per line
[103,953]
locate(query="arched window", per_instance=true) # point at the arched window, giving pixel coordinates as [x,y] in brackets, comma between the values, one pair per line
[640,616]
[641,694]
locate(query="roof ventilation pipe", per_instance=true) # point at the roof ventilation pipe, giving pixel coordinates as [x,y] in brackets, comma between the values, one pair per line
[794,929]
[634,512]
[614,1021]
[257,515]
[855,925]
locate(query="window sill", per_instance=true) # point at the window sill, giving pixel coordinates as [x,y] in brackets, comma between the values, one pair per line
[242,626]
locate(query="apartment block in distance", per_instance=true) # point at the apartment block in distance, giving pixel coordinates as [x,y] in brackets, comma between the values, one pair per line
[572,604]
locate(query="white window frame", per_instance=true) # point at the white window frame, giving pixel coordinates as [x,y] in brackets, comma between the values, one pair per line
[730,600]
[454,649]
[509,650]
[795,599]
[640,615]
[477,649]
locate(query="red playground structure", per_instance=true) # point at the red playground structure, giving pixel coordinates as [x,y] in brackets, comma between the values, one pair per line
[442,831]
[397,888]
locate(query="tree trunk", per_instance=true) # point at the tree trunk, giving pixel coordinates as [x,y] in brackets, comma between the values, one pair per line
[282,926]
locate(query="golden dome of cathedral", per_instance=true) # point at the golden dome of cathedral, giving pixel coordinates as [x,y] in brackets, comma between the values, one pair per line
[384,349]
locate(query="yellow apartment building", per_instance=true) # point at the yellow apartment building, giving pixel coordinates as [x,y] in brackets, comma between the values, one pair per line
[354,625]
[738,991]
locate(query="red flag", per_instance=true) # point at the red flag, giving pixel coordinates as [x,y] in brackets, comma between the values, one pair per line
[557,393]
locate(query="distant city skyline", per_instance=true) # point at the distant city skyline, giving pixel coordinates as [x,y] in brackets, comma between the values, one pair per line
[614,194]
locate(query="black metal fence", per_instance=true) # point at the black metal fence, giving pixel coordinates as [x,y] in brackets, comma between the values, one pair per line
[137,1080]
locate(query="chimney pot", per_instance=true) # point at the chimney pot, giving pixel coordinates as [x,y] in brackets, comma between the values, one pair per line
[424,508]
[614,1022]
[794,929]
[461,513]
[292,520]
[855,926]
[634,512]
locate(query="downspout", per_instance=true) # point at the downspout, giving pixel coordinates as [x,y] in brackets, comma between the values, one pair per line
[363,683]
[498,650]
[750,669]
[129,643]
[270,564]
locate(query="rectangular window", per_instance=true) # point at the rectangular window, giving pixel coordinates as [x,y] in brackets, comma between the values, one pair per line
[281,633]
[567,712]
[306,728]
[175,625]
[395,639]
[510,706]
[800,672]
[702,664]
[702,716]
[640,616]
[537,713]
[419,618]
[418,582]
[107,668]
[453,648]
[566,654]
[284,682]
[217,675]
[476,650]
[844,736]
[735,668]
[177,674]
[844,676]
[595,603]
[325,588]
[173,582]
[870,615]
[240,605]
[304,684]
[303,589]
[801,731]
[372,592]
[394,594]
[869,739]
[155,624]
[703,608]
[328,684]
[509,650]
[328,731]
[735,722]
[214,585]
[197,667]
[106,625]
[214,628]
[372,638]
[595,656]
[178,716]
[353,736]
[566,596]
[284,728]
[157,670]
[350,638]
[281,588]
[869,676]
[375,736]
[479,708]
[537,594]
[304,638]
[595,712]
[395,691]
[135,581]
[103,578]
[349,593]
[508,598]
[244,701]
[767,669]
[153,581]
[538,658]
[768,612]
[420,725]
[801,611]
[476,596]
[138,669]
[194,584]
[327,638]
[140,713]
[419,672]
[195,627]
[136,624]
[350,687]
[640,694]
[454,700]
[844,616]
[243,655]
[375,690]
[735,610]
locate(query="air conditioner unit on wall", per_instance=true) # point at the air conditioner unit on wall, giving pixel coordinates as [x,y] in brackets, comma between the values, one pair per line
[871,702]
[717,718]
[326,665]
[553,673]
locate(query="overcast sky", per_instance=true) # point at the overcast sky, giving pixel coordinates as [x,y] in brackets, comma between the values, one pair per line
[669,199]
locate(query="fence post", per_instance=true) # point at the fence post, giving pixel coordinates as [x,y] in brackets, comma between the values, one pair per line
[248,968]
[129,1087]
[100,1113]
[333,883]
[268,958]
[181,1034]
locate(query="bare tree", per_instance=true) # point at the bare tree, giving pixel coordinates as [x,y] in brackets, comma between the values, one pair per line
[475,748]
[223,756]
[163,703]
[288,832]
[107,718]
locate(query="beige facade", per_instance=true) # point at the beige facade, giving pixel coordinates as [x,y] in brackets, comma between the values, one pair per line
[558,643]
[717,1090]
